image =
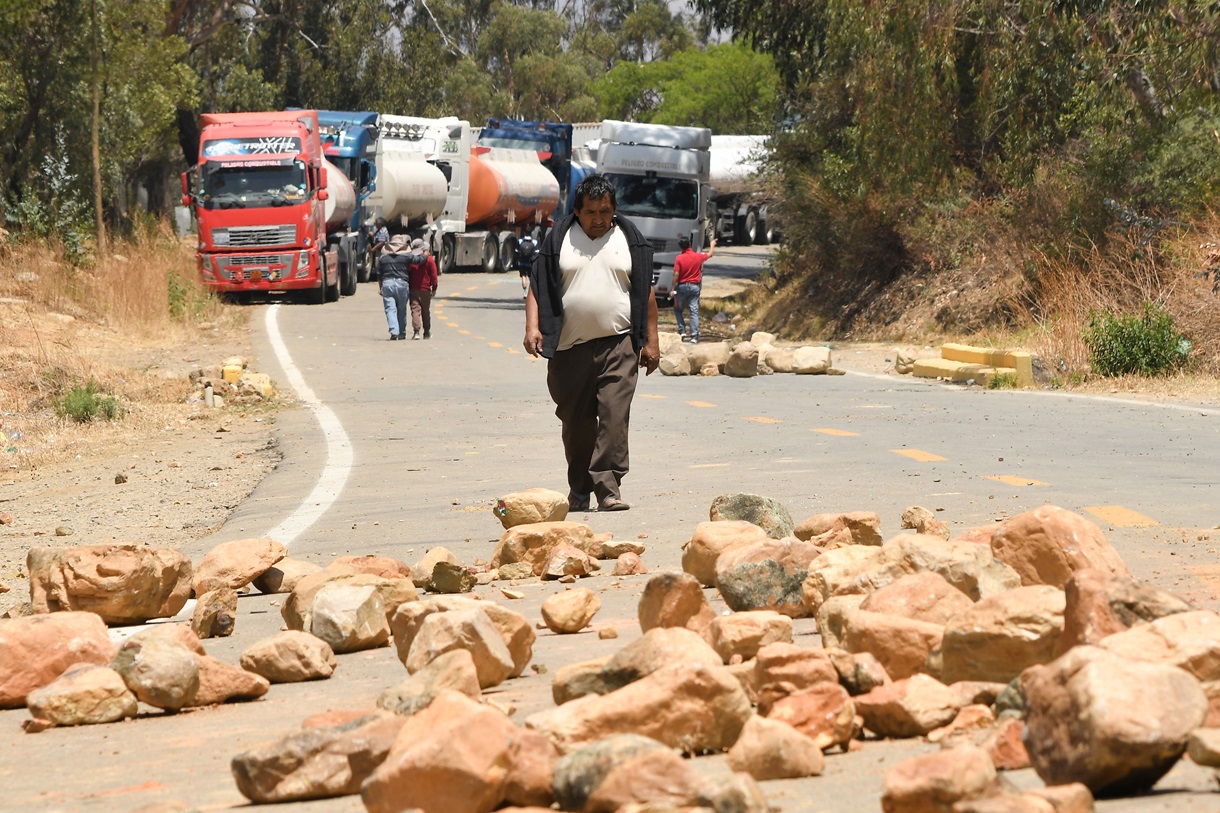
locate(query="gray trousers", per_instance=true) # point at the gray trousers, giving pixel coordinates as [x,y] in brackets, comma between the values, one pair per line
[592,385]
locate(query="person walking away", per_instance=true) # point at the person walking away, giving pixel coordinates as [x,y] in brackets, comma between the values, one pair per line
[423,282]
[590,310]
[688,284]
[527,250]
[380,239]
[393,271]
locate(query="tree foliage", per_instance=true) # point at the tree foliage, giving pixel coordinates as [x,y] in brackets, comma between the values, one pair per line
[905,112]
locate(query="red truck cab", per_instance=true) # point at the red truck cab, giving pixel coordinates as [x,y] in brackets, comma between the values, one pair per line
[258,193]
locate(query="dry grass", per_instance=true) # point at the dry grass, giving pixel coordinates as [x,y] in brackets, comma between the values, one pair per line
[1058,303]
[115,323]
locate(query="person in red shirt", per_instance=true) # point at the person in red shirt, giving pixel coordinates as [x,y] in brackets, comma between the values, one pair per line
[688,281]
[422,281]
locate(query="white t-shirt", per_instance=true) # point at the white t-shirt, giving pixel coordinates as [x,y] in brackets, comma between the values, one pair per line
[596,278]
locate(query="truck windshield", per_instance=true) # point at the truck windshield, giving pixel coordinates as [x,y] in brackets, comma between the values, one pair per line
[350,167]
[651,196]
[513,143]
[243,184]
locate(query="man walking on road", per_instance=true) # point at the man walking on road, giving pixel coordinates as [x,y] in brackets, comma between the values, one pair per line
[688,283]
[423,280]
[591,311]
[393,269]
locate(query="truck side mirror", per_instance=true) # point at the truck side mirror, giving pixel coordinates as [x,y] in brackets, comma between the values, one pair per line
[322,185]
[186,190]
[323,194]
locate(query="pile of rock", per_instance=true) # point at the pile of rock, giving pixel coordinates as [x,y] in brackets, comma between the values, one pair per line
[1028,644]
[1023,644]
[759,355]
[230,382]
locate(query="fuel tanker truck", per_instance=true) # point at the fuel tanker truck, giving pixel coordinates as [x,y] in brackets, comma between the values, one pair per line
[341,237]
[262,196]
[492,194]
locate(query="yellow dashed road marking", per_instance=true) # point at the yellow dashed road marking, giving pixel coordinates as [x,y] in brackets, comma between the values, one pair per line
[839,433]
[700,404]
[709,465]
[514,352]
[464,332]
[451,324]
[1118,515]
[1013,480]
[472,288]
[918,454]
[762,419]
[494,344]
[650,395]
[455,293]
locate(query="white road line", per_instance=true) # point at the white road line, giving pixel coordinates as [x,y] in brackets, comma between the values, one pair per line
[330,483]
[338,446]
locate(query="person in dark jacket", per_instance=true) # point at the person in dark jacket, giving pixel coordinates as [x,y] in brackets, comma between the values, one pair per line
[393,281]
[591,311]
[527,250]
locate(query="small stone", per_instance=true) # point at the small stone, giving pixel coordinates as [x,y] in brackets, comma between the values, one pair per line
[607,632]
[63,530]
[513,594]
[570,611]
[448,577]
[120,478]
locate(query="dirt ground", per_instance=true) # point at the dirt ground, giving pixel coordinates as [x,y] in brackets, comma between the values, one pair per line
[168,472]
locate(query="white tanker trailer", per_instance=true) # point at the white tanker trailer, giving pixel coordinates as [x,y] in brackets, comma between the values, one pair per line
[485,198]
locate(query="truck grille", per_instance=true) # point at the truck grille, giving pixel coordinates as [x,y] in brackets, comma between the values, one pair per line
[254,259]
[255,267]
[657,245]
[253,236]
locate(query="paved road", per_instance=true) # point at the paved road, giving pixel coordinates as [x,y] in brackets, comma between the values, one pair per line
[413,441]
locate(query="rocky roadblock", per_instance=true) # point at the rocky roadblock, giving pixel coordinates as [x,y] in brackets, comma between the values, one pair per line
[1024,645]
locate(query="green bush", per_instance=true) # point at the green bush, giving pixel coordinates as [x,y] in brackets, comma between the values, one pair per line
[88,403]
[1140,344]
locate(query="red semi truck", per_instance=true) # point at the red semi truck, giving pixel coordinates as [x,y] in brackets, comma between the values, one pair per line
[261,200]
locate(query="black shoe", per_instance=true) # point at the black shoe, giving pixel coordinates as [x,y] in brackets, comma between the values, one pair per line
[578,503]
[393,338]
[427,334]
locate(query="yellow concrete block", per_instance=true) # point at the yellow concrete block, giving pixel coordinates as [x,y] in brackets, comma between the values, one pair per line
[952,370]
[231,373]
[1019,362]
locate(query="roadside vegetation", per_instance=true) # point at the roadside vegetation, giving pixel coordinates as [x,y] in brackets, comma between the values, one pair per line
[96,349]
[1004,172]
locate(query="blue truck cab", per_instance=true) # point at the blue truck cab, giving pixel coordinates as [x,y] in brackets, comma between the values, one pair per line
[349,141]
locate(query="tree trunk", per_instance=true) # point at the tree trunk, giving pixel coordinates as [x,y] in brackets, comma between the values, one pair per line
[95,127]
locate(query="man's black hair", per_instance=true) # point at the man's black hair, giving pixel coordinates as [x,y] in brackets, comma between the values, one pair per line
[683,243]
[595,187]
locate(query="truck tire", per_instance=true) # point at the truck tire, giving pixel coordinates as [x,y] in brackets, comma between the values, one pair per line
[491,254]
[347,279]
[366,269]
[317,296]
[765,234]
[508,251]
[747,228]
[448,251]
[331,290]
